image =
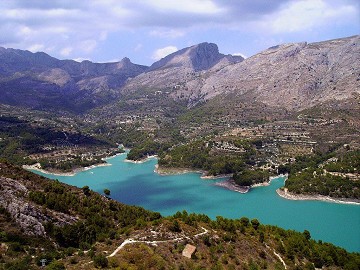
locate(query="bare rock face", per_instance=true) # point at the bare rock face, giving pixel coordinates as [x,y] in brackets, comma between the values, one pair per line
[173,72]
[198,57]
[292,76]
[30,217]
[56,75]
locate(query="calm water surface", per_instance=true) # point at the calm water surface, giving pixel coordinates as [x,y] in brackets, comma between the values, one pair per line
[138,184]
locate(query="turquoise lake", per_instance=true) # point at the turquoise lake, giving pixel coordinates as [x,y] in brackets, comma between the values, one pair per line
[138,184]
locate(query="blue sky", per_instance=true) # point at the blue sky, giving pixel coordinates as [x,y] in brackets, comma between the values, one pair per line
[145,31]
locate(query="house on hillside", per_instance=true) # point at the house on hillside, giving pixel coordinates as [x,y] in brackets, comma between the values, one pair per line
[188,251]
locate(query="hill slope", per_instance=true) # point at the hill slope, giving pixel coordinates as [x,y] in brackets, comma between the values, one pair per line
[39,81]
[57,222]
[172,73]
[294,76]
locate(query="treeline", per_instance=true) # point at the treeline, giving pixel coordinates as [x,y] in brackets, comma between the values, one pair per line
[21,138]
[315,182]
[72,162]
[251,177]
[293,246]
[145,149]
[101,219]
[303,162]
[69,165]
[198,155]
[348,162]
[309,175]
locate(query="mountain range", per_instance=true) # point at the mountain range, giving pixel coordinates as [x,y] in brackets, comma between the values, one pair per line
[293,76]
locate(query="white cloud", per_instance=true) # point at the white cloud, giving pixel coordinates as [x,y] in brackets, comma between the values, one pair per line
[188,6]
[36,47]
[168,33]
[161,53]
[80,59]
[66,51]
[26,31]
[240,54]
[306,15]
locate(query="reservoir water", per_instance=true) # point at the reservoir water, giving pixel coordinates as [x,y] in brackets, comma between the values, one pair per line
[138,184]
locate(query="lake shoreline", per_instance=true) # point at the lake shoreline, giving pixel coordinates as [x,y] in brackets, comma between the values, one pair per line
[37,167]
[284,193]
[228,183]
[139,161]
[231,185]
[176,171]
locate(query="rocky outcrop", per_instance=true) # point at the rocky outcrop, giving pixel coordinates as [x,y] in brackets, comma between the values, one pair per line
[182,73]
[196,58]
[30,217]
[292,76]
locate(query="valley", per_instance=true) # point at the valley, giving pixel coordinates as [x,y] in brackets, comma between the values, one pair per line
[291,109]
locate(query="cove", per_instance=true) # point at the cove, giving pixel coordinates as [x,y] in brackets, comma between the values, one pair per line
[138,184]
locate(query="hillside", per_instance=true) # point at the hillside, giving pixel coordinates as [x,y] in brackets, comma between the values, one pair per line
[79,229]
[39,81]
[294,76]
[181,70]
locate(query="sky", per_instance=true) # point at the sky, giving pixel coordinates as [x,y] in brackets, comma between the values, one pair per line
[147,30]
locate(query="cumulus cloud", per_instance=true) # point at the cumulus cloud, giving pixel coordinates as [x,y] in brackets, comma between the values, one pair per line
[308,14]
[161,53]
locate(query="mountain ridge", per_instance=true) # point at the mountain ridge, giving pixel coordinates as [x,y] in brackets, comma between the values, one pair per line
[310,73]
[39,81]
[295,76]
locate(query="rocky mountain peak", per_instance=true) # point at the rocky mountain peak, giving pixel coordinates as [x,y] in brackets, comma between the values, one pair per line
[13,60]
[125,63]
[125,60]
[204,55]
[198,57]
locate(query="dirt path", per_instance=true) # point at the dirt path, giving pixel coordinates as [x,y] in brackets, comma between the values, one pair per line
[132,241]
[277,255]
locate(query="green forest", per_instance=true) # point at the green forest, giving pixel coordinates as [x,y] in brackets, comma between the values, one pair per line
[317,175]
[198,155]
